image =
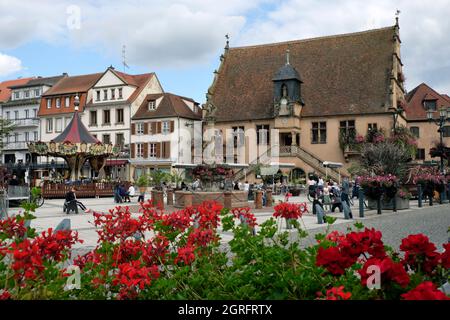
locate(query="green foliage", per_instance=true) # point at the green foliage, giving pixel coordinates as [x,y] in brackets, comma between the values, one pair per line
[157,177]
[142,181]
[6,127]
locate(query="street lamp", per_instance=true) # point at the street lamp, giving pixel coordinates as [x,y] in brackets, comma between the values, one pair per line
[444,116]
[396,112]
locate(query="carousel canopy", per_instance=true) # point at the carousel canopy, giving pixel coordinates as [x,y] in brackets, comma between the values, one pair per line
[76,132]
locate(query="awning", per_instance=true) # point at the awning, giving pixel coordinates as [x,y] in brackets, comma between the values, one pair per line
[113,163]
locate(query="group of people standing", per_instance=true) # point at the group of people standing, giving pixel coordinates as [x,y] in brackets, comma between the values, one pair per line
[329,195]
[122,194]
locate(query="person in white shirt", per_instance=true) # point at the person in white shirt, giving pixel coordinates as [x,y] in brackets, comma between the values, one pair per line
[131,191]
[320,183]
[246,186]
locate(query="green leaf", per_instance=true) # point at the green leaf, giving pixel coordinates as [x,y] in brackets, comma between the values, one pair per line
[359,225]
[329,220]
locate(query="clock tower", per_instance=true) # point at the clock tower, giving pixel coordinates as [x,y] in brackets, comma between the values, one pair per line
[286,89]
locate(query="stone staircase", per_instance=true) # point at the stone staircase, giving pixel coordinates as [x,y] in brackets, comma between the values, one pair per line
[293,151]
[314,162]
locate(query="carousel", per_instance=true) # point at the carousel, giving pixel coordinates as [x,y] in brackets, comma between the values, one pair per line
[76,146]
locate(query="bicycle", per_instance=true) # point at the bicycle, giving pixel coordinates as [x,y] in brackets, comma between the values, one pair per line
[36,197]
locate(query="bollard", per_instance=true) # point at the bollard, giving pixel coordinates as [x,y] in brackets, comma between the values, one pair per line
[419,194]
[361,202]
[394,205]
[258,199]
[347,211]
[320,214]
[269,199]
[187,200]
[158,198]
[170,197]
[227,200]
[379,205]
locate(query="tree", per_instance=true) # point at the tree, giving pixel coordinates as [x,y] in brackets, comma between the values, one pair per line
[6,126]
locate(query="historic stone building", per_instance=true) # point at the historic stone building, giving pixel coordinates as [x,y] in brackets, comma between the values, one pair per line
[312,92]
[418,102]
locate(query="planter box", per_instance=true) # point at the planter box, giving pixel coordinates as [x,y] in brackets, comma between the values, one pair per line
[401,204]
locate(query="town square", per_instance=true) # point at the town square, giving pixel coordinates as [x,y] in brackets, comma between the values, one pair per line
[200,150]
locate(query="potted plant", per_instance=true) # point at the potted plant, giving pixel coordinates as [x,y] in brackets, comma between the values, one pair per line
[142,183]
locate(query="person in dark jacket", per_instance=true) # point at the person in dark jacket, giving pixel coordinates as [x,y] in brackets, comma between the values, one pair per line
[71,196]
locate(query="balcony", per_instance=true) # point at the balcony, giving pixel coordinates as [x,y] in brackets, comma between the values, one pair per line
[15,146]
[26,122]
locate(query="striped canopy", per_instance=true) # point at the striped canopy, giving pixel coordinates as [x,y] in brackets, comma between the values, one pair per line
[76,132]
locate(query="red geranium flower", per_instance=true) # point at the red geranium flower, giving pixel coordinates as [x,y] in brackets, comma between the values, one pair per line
[5,295]
[337,293]
[425,291]
[420,253]
[185,255]
[245,216]
[333,260]
[445,257]
[289,210]
[390,271]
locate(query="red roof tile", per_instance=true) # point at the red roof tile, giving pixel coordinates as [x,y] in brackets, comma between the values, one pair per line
[5,92]
[343,74]
[415,109]
[171,105]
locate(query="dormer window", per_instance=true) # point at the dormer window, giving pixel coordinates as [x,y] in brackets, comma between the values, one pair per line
[105,95]
[113,94]
[67,102]
[152,105]
[37,92]
[98,95]
[120,93]
[58,102]
[27,93]
[16,95]
[430,105]
[49,103]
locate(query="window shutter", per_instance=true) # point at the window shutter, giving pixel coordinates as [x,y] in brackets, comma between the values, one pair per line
[145,150]
[133,149]
[172,126]
[158,127]
[153,126]
[167,150]
[146,128]
[133,128]
[158,150]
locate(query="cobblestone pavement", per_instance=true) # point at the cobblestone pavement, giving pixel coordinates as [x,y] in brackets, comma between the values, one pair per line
[432,221]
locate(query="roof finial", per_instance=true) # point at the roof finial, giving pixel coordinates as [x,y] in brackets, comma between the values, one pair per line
[76,102]
[227,46]
[397,14]
[287,56]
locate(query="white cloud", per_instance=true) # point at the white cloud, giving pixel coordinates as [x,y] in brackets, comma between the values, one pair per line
[9,65]
[174,33]
[424,30]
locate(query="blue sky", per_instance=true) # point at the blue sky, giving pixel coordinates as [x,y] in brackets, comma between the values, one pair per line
[181,40]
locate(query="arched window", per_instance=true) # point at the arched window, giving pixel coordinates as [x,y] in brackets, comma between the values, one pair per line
[284,91]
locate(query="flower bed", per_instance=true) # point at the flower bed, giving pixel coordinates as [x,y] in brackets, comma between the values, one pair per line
[177,255]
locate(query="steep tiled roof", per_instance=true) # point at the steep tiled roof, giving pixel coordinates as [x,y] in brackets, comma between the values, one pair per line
[5,91]
[75,84]
[171,105]
[343,74]
[139,81]
[415,109]
[68,86]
